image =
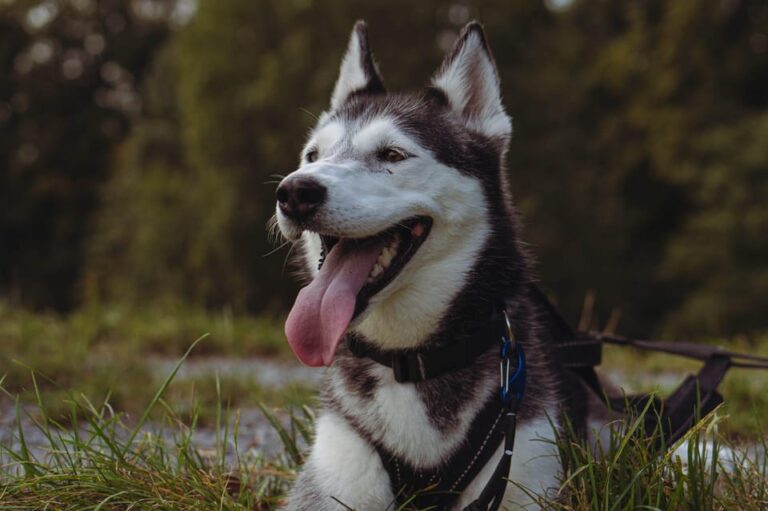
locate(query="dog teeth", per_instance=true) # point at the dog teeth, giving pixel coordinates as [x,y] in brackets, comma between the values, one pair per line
[388,253]
[386,256]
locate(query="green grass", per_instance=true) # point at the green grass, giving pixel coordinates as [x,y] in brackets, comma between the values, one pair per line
[100,461]
[628,473]
[102,351]
[159,331]
[96,350]
[92,387]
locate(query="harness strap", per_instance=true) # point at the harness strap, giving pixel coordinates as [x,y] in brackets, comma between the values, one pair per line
[693,399]
[583,351]
[439,488]
[559,334]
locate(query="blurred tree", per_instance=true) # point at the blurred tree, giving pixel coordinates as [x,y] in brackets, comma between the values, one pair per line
[610,148]
[720,255]
[66,95]
[638,159]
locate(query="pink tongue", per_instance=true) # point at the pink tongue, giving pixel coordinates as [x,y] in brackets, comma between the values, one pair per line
[323,309]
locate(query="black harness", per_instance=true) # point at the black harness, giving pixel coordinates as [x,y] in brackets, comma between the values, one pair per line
[576,351]
[438,489]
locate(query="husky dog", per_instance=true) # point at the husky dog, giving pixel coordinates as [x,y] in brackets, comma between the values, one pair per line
[402,211]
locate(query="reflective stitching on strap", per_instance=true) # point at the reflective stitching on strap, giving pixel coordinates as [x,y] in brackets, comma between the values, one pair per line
[480,450]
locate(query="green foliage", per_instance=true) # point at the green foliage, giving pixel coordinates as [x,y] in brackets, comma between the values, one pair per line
[638,160]
[162,223]
[67,91]
[609,163]
[720,251]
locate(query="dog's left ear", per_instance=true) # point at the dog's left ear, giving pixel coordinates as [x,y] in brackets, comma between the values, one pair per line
[358,73]
[470,82]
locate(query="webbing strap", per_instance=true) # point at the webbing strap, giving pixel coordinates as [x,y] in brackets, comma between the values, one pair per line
[695,351]
[582,351]
[440,488]
[695,397]
[493,493]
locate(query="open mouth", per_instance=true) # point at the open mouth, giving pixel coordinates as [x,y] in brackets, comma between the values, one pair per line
[350,273]
[400,242]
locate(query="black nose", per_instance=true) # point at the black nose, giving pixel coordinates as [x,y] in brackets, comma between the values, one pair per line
[299,197]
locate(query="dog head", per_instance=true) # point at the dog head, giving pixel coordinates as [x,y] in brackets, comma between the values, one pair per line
[393,199]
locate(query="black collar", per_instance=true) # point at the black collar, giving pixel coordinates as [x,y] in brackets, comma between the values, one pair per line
[410,366]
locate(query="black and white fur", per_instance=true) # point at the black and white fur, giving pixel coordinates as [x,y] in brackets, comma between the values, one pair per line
[456,133]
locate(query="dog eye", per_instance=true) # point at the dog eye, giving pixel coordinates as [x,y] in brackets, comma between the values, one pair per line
[311,156]
[392,155]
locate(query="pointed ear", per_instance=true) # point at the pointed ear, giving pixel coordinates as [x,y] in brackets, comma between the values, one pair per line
[358,70]
[469,80]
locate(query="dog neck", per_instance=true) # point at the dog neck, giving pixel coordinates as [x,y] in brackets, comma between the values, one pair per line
[411,419]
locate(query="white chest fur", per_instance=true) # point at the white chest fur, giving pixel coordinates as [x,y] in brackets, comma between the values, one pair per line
[396,417]
[348,469]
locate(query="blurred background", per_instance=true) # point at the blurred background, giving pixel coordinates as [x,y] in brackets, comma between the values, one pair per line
[138,140]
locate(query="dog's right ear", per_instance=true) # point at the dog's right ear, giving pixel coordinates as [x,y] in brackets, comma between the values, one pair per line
[358,73]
